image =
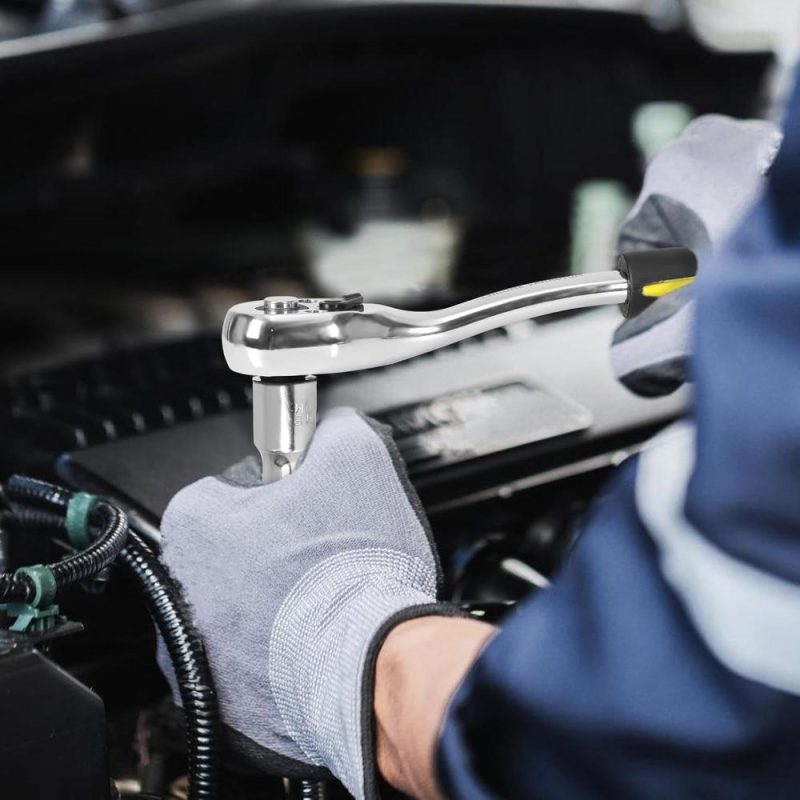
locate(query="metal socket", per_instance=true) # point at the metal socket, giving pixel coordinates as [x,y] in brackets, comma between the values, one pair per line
[284,420]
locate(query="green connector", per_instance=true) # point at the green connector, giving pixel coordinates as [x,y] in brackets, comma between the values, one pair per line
[77,524]
[32,620]
[77,520]
[41,614]
[43,581]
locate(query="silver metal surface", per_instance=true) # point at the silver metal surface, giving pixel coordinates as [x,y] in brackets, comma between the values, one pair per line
[279,337]
[310,341]
[284,420]
[280,305]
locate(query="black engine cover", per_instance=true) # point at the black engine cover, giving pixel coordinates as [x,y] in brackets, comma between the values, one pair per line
[52,730]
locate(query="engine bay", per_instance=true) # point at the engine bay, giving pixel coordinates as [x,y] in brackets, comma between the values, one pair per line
[419,155]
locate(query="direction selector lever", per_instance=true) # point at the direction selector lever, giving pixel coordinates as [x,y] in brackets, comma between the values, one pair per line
[284,342]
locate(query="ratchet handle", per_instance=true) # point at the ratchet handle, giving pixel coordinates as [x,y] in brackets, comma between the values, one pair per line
[654,273]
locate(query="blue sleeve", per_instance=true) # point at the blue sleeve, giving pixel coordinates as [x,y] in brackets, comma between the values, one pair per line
[665,660]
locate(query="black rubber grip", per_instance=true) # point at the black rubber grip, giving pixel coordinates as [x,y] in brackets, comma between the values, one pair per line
[643,268]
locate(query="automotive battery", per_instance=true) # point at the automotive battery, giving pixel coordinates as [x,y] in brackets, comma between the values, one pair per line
[52,730]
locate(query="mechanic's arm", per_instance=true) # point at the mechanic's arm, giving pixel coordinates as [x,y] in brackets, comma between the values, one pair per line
[665,660]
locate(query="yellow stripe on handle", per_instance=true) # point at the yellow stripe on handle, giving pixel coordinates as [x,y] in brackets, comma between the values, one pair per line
[666,287]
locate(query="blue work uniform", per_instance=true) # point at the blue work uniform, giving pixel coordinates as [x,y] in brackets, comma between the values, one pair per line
[664,662]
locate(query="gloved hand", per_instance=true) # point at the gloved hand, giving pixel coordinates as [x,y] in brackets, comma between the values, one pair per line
[294,586]
[694,191]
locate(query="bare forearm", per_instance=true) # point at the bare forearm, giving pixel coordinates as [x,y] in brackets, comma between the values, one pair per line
[419,667]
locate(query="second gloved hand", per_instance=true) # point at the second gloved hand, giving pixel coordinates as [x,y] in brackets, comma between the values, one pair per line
[294,586]
[694,191]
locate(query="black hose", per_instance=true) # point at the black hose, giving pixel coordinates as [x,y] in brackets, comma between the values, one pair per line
[308,790]
[32,520]
[99,554]
[34,492]
[4,561]
[4,554]
[20,588]
[16,588]
[186,651]
[167,608]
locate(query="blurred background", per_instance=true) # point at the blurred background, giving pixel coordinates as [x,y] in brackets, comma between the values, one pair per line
[161,159]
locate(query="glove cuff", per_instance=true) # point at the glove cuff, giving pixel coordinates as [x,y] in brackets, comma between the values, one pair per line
[321,644]
[371,778]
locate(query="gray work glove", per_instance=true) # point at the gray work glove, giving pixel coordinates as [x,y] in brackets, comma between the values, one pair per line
[694,191]
[294,586]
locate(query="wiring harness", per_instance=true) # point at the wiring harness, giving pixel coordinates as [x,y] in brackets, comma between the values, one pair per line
[99,533]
